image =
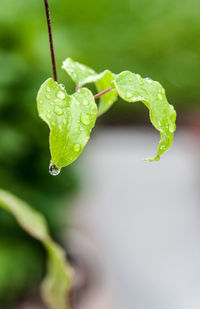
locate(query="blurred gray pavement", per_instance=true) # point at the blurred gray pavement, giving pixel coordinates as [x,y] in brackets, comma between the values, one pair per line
[141,219]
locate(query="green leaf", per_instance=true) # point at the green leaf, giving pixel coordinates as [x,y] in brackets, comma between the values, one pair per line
[79,73]
[132,88]
[70,119]
[107,100]
[57,283]
[82,75]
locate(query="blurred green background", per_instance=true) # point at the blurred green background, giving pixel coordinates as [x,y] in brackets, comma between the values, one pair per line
[155,38]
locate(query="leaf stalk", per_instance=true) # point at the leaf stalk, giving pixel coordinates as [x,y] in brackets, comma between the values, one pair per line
[51,40]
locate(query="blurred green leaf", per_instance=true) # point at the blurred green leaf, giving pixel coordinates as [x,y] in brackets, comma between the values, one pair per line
[58,280]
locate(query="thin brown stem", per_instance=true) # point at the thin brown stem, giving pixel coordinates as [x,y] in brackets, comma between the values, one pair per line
[98,95]
[78,87]
[51,40]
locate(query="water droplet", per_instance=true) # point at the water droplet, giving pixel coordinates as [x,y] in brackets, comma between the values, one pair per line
[61,95]
[54,170]
[128,95]
[62,86]
[130,79]
[85,119]
[64,121]
[77,147]
[85,102]
[48,116]
[77,103]
[58,111]
[41,101]
[138,76]
[172,127]
[48,89]
[159,96]
[163,147]
[149,80]
[48,96]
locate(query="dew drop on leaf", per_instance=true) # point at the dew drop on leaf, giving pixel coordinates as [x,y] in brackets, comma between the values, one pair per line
[58,111]
[86,102]
[54,170]
[48,96]
[149,80]
[61,95]
[128,95]
[62,86]
[85,119]
[77,147]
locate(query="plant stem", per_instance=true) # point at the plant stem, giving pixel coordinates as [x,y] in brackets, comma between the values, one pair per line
[78,87]
[51,40]
[96,96]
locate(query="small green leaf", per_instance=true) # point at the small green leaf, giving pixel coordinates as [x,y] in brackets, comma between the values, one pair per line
[70,119]
[132,88]
[107,100]
[79,73]
[57,283]
[82,75]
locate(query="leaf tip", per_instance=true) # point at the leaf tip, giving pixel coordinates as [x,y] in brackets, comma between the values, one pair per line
[154,158]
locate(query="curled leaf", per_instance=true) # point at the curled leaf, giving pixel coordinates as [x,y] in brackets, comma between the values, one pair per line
[70,119]
[82,74]
[57,283]
[107,100]
[132,88]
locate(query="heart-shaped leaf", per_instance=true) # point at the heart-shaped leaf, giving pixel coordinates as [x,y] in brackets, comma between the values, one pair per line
[132,88]
[70,119]
[57,283]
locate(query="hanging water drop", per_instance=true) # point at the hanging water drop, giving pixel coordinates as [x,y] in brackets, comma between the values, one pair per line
[54,170]
[48,89]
